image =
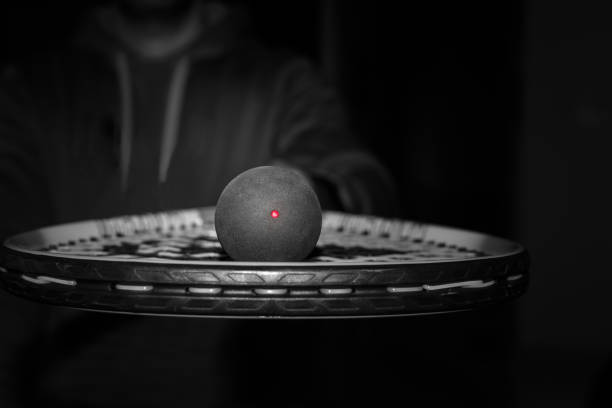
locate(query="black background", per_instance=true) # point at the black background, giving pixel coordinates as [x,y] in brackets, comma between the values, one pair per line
[492,116]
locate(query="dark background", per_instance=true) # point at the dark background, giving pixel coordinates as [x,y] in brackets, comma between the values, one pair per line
[480,110]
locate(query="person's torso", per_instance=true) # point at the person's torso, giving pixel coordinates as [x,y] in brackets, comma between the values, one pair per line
[225,125]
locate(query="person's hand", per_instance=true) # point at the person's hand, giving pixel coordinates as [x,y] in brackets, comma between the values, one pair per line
[325,189]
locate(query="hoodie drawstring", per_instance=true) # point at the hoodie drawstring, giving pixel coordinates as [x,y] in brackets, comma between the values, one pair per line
[172,117]
[125,103]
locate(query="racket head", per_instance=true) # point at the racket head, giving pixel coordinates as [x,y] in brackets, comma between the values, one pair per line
[170,263]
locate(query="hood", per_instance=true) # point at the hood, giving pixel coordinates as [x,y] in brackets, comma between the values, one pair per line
[219,27]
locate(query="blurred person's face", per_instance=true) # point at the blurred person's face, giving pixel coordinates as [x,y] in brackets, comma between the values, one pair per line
[152,4]
[156,12]
[157,28]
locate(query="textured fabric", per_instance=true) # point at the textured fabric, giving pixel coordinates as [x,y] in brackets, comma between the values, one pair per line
[61,145]
[239,112]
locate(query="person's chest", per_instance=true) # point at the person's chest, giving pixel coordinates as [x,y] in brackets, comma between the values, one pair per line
[224,125]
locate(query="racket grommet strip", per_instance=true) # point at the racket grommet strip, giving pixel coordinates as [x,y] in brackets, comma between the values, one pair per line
[336,291]
[67,282]
[474,284]
[133,288]
[238,292]
[35,280]
[479,284]
[303,292]
[43,280]
[404,289]
[204,291]
[271,292]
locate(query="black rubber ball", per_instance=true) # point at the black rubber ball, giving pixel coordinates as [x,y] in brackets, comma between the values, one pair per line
[268,213]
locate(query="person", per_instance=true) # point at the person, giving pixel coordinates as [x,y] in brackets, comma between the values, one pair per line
[156,106]
[156,110]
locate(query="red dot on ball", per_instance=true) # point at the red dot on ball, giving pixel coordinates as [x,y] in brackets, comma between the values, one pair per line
[274,214]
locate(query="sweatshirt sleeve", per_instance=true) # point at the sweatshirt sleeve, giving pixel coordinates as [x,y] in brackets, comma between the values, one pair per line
[24,202]
[313,135]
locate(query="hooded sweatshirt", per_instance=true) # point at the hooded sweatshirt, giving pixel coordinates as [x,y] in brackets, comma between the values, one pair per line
[97,130]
